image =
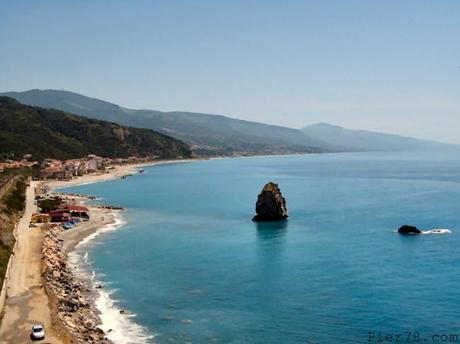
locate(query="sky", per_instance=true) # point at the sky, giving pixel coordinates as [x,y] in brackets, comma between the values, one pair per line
[390,66]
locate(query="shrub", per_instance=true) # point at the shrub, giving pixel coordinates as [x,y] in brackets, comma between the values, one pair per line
[15,201]
[47,205]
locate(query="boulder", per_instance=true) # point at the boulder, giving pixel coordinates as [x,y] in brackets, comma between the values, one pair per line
[73,308]
[409,230]
[271,205]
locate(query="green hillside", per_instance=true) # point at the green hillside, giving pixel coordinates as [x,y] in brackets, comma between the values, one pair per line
[56,134]
[207,134]
[221,135]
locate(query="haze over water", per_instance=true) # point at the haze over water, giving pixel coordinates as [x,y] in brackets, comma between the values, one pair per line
[194,268]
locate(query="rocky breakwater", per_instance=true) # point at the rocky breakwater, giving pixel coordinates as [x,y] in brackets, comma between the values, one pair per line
[271,205]
[72,308]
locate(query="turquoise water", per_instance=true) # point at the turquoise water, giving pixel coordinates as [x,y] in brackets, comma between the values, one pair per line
[194,269]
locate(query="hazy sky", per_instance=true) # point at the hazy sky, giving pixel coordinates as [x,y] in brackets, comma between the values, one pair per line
[391,66]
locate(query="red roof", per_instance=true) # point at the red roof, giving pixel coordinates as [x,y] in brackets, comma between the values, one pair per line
[59,212]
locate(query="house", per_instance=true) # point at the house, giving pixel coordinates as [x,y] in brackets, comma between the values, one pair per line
[68,212]
[92,165]
[55,173]
[59,215]
[82,169]
[77,211]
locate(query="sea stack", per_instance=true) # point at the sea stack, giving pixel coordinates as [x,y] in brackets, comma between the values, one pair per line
[409,230]
[271,205]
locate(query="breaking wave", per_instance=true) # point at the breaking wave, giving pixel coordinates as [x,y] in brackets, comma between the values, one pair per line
[116,323]
[438,231]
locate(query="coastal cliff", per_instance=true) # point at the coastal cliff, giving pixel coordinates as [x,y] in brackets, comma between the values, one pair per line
[72,308]
[271,205]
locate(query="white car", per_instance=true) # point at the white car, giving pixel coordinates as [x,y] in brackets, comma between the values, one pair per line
[38,332]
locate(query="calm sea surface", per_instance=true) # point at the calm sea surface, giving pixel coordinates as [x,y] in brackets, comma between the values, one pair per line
[193,268]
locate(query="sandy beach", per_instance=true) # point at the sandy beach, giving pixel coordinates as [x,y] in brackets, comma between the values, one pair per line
[99,218]
[27,301]
[117,171]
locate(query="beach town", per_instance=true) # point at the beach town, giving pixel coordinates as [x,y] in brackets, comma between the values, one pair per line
[40,286]
[68,169]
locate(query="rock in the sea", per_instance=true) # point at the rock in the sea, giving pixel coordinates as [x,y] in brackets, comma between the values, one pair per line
[409,230]
[271,205]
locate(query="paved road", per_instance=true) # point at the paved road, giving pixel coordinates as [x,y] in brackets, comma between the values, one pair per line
[27,302]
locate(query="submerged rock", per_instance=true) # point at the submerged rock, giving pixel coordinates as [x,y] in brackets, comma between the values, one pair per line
[271,205]
[409,230]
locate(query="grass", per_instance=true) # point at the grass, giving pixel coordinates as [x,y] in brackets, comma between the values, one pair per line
[11,205]
[5,254]
[15,200]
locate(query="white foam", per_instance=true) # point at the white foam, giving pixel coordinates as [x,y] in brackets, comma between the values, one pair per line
[120,328]
[433,231]
[119,222]
[438,231]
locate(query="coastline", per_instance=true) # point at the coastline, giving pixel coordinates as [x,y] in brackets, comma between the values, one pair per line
[117,171]
[101,216]
[44,300]
[116,323]
[94,300]
[27,302]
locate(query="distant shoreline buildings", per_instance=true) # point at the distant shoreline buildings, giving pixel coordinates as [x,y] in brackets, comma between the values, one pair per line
[68,169]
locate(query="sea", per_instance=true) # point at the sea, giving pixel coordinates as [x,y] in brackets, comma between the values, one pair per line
[185,263]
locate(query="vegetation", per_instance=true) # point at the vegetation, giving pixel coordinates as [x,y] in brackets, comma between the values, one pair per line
[207,134]
[47,133]
[46,205]
[221,135]
[12,205]
[15,199]
[5,254]
[32,171]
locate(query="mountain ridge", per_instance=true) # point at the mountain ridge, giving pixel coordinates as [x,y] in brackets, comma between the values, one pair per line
[367,140]
[211,135]
[206,133]
[50,133]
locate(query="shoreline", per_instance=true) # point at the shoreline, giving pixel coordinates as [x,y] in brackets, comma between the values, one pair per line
[33,290]
[83,233]
[113,320]
[91,295]
[117,171]
[45,300]
[27,301]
